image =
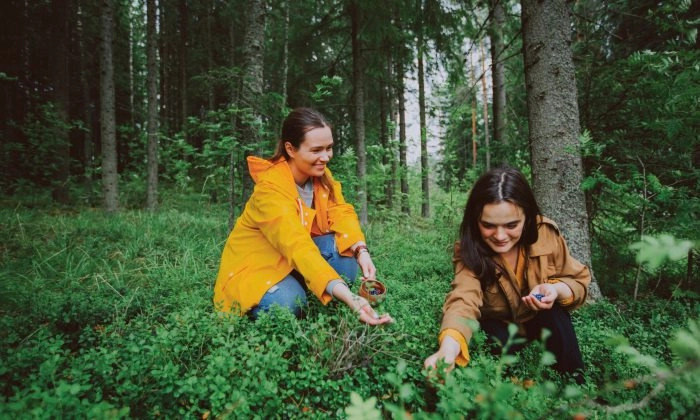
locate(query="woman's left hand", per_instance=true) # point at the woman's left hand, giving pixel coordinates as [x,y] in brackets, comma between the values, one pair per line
[549,296]
[367,266]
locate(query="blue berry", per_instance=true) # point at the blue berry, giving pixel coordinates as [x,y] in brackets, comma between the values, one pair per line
[538,296]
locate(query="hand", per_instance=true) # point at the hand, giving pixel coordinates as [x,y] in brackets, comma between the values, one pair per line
[550,295]
[360,306]
[367,266]
[448,352]
[368,315]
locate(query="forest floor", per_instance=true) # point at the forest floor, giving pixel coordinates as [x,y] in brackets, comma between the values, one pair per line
[111,316]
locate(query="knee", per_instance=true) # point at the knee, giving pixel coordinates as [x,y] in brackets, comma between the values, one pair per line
[292,301]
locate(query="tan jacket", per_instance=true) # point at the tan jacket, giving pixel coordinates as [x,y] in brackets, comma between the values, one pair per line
[548,261]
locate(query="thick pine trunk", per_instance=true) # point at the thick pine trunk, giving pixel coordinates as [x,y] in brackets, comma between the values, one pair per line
[250,95]
[498,74]
[110,186]
[554,122]
[152,126]
[359,112]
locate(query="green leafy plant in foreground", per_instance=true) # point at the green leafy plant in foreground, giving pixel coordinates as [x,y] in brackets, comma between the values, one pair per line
[111,316]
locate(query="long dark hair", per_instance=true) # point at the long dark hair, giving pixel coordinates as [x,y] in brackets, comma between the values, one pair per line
[295,126]
[495,186]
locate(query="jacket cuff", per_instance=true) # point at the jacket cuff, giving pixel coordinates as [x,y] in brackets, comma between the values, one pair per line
[463,356]
[564,302]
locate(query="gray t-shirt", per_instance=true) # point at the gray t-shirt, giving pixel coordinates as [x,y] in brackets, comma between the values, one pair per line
[306,192]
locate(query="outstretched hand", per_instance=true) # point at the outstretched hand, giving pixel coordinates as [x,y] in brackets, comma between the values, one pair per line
[541,297]
[368,315]
[360,306]
[448,352]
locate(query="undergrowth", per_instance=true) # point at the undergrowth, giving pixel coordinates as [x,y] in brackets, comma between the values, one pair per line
[111,316]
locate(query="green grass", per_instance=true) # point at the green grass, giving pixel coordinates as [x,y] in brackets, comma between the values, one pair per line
[111,316]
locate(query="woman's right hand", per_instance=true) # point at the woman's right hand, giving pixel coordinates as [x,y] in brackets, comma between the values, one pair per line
[448,352]
[360,306]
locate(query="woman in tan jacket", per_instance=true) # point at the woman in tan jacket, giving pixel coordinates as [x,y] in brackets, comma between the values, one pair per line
[511,266]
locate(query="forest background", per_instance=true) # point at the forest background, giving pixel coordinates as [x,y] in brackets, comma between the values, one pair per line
[123,131]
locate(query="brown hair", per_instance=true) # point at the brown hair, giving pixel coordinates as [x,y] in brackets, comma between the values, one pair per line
[495,186]
[295,126]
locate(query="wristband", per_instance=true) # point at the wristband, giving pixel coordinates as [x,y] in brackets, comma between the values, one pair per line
[359,249]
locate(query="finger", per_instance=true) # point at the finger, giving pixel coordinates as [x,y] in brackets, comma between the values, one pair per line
[386,319]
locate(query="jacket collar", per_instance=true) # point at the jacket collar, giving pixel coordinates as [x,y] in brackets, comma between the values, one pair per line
[541,247]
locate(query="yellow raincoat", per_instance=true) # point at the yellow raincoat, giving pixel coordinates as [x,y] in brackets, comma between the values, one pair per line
[273,236]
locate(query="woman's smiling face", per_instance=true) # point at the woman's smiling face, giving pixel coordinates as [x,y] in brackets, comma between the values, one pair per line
[501,226]
[313,154]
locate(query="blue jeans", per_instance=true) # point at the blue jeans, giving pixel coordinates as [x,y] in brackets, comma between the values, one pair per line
[290,292]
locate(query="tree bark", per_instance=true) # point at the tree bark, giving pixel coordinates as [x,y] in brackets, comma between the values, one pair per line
[250,94]
[425,187]
[485,99]
[182,66]
[403,167]
[88,146]
[554,122]
[359,111]
[110,185]
[210,54]
[472,78]
[152,127]
[498,74]
[61,75]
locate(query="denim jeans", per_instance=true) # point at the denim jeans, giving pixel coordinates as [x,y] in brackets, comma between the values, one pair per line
[290,292]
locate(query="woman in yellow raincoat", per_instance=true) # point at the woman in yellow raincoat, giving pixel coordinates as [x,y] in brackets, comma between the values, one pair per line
[296,232]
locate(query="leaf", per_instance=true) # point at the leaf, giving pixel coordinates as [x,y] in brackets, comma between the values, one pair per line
[362,410]
[547,359]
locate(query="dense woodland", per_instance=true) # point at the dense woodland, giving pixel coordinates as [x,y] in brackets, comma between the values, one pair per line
[122,121]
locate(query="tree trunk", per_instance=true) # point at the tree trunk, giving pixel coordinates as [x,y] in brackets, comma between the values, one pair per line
[285,59]
[403,167]
[60,51]
[182,61]
[251,92]
[425,187]
[110,185]
[472,78]
[554,124]
[498,74]
[88,146]
[152,127]
[485,99]
[359,111]
[210,55]
[392,114]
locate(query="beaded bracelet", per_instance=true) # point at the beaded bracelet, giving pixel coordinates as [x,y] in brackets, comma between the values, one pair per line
[359,250]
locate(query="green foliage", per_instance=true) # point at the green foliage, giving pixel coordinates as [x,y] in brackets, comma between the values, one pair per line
[46,133]
[654,251]
[111,316]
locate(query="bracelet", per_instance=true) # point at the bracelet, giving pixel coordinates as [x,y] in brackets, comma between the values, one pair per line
[359,249]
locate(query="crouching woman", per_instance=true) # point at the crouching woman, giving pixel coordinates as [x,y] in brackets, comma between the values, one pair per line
[296,232]
[511,266]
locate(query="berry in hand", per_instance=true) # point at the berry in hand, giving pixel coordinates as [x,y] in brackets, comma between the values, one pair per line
[538,296]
